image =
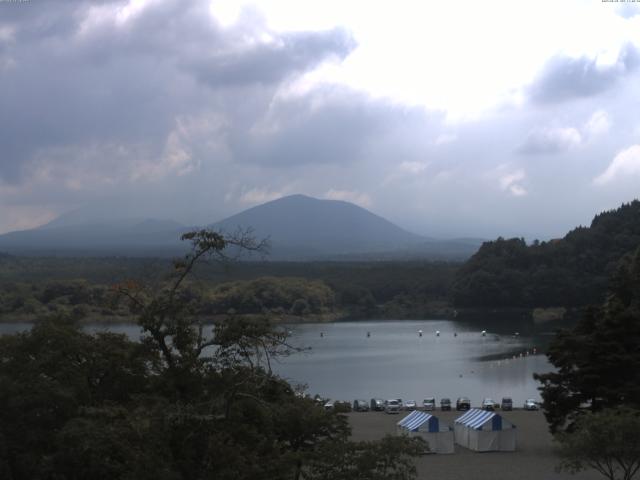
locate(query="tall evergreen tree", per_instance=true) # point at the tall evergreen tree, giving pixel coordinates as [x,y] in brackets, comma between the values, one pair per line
[598,362]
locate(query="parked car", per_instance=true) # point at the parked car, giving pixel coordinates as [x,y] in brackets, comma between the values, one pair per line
[410,405]
[445,404]
[392,406]
[360,406]
[429,403]
[463,403]
[507,404]
[488,404]
[329,405]
[377,404]
[530,404]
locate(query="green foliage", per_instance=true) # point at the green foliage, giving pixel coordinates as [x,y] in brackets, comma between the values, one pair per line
[350,290]
[184,403]
[76,298]
[573,271]
[388,459]
[607,442]
[48,375]
[598,361]
[295,296]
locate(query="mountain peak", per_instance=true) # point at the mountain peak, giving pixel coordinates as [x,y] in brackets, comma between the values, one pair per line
[322,227]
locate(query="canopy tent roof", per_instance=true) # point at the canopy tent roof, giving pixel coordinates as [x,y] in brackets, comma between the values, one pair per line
[476,419]
[416,419]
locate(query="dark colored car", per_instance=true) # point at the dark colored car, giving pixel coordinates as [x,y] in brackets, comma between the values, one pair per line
[463,403]
[377,404]
[445,404]
[507,404]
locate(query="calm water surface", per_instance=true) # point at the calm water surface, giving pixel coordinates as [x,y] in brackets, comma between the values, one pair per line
[394,361]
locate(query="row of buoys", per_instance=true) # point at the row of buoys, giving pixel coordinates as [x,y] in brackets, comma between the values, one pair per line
[526,353]
[455,334]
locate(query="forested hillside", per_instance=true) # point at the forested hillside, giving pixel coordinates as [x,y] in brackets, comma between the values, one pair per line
[32,287]
[572,271]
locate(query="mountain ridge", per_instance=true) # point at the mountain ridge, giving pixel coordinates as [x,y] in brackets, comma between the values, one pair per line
[299,228]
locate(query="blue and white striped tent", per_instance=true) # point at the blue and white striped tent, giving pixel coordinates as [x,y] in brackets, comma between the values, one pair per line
[485,431]
[438,435]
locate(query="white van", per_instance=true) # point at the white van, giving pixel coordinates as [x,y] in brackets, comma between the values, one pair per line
[392,406]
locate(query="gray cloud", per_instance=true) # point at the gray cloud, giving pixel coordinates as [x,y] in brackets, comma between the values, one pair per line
[273,62]
[171,115]
[551,141]
[565,78]
[68,84]
[327,126]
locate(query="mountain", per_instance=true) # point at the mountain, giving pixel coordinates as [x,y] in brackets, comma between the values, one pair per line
[572,271]
[298,228]
[133,237]
[300,225]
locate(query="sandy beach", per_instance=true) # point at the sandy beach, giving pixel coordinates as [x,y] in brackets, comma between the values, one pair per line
[534,458]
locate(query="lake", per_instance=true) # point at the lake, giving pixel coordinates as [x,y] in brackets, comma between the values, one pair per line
[343,363]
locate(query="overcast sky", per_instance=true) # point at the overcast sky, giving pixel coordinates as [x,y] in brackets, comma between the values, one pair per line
[449,118]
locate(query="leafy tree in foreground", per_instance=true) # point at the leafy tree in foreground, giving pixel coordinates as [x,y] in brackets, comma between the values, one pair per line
[50,378]
[607,441]
[387,459]
[183,403]
[598,362]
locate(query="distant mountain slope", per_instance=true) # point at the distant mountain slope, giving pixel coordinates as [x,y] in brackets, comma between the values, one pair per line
[572,271]
[298,227]
[115,237]
[298,224]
